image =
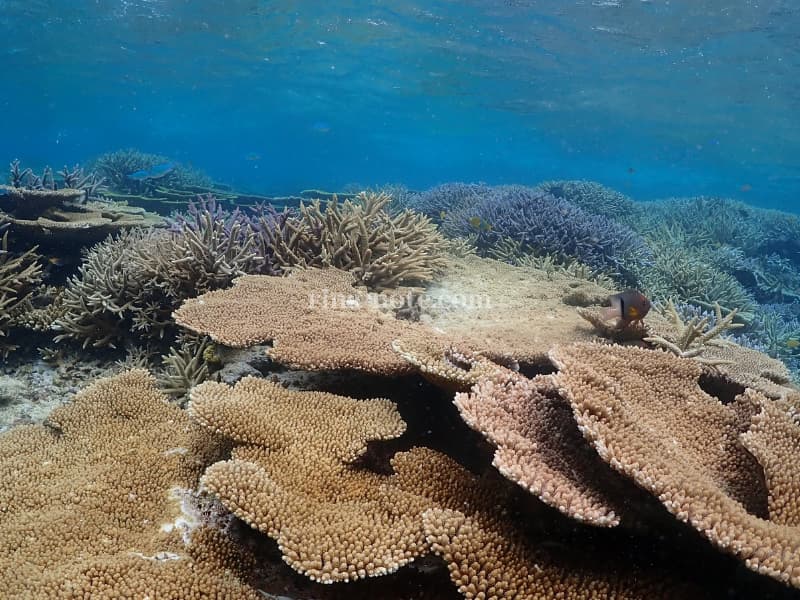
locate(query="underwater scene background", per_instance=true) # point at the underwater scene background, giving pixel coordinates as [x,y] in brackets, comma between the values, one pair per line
[400,299]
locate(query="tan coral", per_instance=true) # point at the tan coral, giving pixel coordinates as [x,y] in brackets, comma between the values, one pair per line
[539,445]
[774,439]
[91,503]
[509,312]
[332,523]
[335,521]
[381,249]
[259,412]
[315,318]
[646,415]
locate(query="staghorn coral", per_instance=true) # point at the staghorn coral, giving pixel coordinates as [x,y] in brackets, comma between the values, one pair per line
[646,415]
[133,281]
[94,503]
[116,166]
[19,276]
[184,367]
[684,272]
[291,476]
[438,201]
[319,322]
[594,197]
[695,336]
[360,236]
[543,224]
[690,333]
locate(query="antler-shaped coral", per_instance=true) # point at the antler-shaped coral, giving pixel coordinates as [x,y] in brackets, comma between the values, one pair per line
[694,336]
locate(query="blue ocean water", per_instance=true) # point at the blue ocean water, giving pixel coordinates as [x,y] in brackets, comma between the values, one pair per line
[654,98]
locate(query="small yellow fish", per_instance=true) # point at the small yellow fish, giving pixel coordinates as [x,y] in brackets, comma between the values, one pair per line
[475,222]
[442,215]
[793,343]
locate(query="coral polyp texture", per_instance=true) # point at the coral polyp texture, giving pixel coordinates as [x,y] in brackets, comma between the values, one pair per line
[93,503]
[646,415]
[539,445]
[292,476]
[315,318]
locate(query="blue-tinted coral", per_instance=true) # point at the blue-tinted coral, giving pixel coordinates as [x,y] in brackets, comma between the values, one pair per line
[445,198]
[540,223]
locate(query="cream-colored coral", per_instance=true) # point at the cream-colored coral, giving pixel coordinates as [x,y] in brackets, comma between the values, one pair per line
[315,318]
[539,445]
[506,312]
[91,503]
[647,416]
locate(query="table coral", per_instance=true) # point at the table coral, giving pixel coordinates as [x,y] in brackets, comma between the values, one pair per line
[292,476]
[91,502]
[315,318]
[646,415]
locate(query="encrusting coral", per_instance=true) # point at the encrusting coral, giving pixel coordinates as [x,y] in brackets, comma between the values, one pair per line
[646,415]
[381,249]
[92,503]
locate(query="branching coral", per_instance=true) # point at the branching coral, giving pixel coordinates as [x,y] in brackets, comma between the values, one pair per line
[19,275]
[694,336]
[135,280]
[594,198]
[543,224]
[185,366]
[361,236]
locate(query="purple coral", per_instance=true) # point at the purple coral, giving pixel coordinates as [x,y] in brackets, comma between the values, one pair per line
[541,223]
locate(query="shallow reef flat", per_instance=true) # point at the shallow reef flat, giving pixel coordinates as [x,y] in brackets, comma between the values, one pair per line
[340,401]
[447,458]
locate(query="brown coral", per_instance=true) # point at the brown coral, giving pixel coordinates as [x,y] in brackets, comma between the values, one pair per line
[646,415]
[539,445]
[92,503]
[381,249]
[315,318]
[335,521]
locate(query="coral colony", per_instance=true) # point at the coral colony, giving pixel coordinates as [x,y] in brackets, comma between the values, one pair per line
[394,393]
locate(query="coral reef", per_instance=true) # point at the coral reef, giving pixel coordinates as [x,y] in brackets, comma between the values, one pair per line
[133,281]
[320,322]
[362,237]
[19,275]
[646,415]
[291,475]
[539,445]
[95,502]
[594,198]
[544,224]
